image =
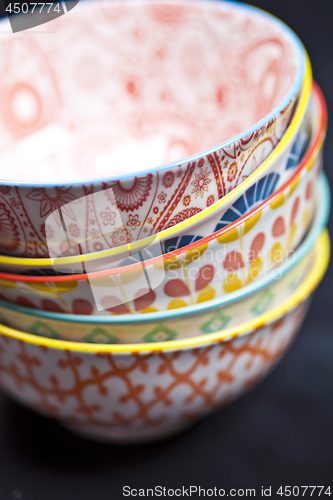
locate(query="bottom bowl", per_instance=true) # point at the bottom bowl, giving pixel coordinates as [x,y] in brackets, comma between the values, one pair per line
[142,392]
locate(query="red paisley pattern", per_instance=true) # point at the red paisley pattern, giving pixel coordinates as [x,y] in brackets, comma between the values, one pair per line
[104,109]
[132,197]
[51,200]
[185,214]
[9,234]
[168,179]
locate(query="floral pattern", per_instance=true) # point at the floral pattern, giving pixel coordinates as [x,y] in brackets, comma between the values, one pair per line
[133,221]
[168,179]
[210,200]
[5,190]
[162,197]
[186,200]
[94,233]
[54,199]
[121,236]
[200,184]
[232,172]
[47,231]
[14,202]
[74,230]
[108,217]
[130,196]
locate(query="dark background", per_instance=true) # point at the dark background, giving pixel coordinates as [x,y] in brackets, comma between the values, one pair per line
[281,433]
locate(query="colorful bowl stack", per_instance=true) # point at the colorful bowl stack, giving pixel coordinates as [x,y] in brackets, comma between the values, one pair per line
[137,298]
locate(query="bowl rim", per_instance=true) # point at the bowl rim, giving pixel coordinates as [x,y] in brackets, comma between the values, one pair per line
[303,291]
[303,249]
[296,120]
[301,58]
[309,157]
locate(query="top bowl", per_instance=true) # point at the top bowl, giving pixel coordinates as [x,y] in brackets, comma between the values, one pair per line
[185,78]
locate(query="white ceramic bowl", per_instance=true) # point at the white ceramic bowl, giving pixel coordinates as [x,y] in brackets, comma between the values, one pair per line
[284,156]
[193,87]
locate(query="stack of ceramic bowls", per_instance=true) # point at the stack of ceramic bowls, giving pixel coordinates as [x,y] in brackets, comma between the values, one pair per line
[134,304]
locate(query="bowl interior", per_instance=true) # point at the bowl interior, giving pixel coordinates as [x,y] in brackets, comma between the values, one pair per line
[120,88]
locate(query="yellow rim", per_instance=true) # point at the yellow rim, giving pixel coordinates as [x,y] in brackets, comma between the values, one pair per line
[322,248]
[297,118]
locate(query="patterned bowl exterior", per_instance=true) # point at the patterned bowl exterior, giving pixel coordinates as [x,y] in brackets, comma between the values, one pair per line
[205,317]
[180,327]
[135,395]
[83,94]
[140,397]
[229,260]
[269,176]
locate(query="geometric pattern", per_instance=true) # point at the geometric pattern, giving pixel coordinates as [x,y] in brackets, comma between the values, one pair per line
[131,395]
[252,197]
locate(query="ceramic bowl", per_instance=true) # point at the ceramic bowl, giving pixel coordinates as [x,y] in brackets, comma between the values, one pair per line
[281,162]
[202,318]
[142,392]
[194,87]
[236,254]
[272,172]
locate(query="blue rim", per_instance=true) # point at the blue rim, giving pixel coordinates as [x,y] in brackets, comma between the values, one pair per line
[318,226]
[283,104]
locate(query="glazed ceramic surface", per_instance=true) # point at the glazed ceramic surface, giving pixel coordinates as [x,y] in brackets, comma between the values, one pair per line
[121,237]
[103,331]
[186,78]
[125,394]
[226,261]
[140,397]
[280,164]
[206,316]
[73,297]
[108,257]
[230,261]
